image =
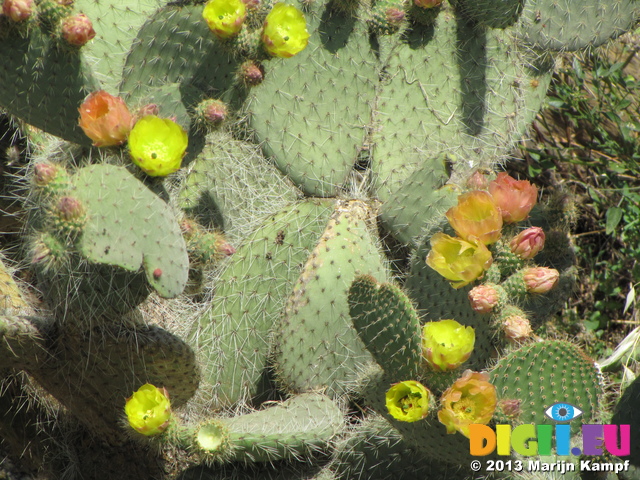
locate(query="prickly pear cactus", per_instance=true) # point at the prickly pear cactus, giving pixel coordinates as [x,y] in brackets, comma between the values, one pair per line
[292,296]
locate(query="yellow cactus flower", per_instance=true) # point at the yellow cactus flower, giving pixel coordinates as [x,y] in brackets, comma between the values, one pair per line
[457,260]
[157,145]
[408,401]
[105,119]
[149,410]
[225,17]
[446,344]
[471,399]
[285,31]
[476,215]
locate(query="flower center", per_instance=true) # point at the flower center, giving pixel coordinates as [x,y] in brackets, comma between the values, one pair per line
[464,409]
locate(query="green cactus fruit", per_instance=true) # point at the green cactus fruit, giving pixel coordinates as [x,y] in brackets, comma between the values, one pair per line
[317,346]
[50,178]
[233,336]
[47,253]
[539,375]
[388,325]
[211,113]
[69,215]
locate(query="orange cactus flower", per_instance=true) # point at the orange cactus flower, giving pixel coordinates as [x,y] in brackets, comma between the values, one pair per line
[105,119]
[459,261]
[514,198]
[471,399]
[476,215]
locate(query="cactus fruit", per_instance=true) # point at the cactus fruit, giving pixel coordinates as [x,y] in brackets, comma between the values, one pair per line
[307,221]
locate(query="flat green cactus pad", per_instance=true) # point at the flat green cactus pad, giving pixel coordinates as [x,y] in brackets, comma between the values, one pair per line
[542,374]
[311,111]
[294,429]
[317,344]
[387,324]
[128,226]
[233,337]
[44,85]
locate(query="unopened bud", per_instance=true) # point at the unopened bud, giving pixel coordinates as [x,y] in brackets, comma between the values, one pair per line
[540,279]
[211,112]
[483,298]
[77,30]
[69,208]
[478,180]
[18,10]
[395,16]
[149,109]
[517,328]
[510,407]
[251,73]
[528,243]
[44,173]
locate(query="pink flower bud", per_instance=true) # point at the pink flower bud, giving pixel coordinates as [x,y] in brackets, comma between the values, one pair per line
[69,208]
[226,249]
[251,4]
[540,279]
[251,73]
[483,298]
[149,109]
[216,112]
[517,328]
[77,30]
[528,243]
[510,407]
[44,173]
[18,10]
[395,16]
[478,180]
